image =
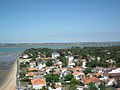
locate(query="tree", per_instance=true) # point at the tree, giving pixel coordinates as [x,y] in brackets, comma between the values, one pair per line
[74,82]
[72,87]
[78,63]
[52,78]
[43,88]
[49,63]
[102,86]
[68,77]
[88,70]
[23,65]
[118,64]
[22,74]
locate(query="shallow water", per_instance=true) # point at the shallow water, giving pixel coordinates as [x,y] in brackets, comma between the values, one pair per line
[18,49]
[6,62]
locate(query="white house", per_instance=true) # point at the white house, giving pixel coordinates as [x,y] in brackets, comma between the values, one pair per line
[38,83]
[115,71]
[71,64]
[70,58]
[111,82]
[55,55]
[98,58]
[48,69]
[24,60]
[57,87]
[78,75]
[80,88]
[63,70]
[99,69]
[32,64]
[83,62]
[25,56]
[41,65]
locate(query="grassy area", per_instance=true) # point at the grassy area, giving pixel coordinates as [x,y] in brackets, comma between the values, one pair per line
[109,88]
[24,83]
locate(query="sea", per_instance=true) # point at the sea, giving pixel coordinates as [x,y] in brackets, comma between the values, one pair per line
[18,49]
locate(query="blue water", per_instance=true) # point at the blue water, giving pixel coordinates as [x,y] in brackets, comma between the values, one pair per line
[18,49]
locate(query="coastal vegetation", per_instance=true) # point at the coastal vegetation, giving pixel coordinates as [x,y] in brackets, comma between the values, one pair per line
[105,53]
[70,68]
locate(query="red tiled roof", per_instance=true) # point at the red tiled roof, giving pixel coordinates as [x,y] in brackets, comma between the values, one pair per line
[57,64]
[33,73]
[97,74]
[83,60]
[47,58]
[63,69]
[118,88]
[57,86]
[56,72]
[78,73]
[87,80]
[75,69]
[38,81]
[100,68]
[31,69]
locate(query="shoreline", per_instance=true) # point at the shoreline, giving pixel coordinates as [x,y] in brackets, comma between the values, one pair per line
[9,82]
[8,45]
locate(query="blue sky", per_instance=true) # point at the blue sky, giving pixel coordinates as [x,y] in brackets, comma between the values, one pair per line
[44,21]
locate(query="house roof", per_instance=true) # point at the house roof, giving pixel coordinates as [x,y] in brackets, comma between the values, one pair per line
[57,64]
[83,60]
[57,86]
[87,80]
[100,68]
[97,74]
[75,69]
[33,62]
[38,81]
[78,73]
[32,73]
[47,58]
[56,72]
[31,69]
[118,88]
[63,69]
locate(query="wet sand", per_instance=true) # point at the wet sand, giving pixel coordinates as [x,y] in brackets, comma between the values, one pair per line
[9,82]
[3,75]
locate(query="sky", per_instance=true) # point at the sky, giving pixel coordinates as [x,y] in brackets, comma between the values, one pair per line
[59,21]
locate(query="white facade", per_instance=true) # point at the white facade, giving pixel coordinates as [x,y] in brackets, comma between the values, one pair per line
[115,71]
[64,70]
[78,76]
[59,88]
[25,56]
[24,60]
[32,64]
[80,88]
[111,82]
[55,55]
[41,65]
[39,86]
[70,59]
[83,64]
[70,65]
[48,70]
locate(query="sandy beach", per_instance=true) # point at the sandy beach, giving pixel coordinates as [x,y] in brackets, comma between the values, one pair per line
[10,79]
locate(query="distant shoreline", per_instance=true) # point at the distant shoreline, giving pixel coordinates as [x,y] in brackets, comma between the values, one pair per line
[7,45]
